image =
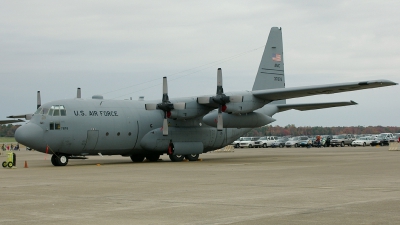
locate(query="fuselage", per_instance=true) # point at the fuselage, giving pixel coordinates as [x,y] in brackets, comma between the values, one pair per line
[115,127]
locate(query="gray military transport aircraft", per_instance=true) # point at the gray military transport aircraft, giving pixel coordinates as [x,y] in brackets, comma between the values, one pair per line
[182,128]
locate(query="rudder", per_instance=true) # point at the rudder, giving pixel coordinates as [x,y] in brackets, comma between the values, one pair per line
[270,73]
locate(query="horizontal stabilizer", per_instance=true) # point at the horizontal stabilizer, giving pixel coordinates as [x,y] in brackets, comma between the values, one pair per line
[296,92]
[313,106]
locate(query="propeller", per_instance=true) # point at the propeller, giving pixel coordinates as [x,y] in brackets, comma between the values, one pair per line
[38,100]
[221,99]
[166,106]
[28,116]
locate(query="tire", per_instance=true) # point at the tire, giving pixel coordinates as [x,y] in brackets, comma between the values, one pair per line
[4,164]
[281,146]
[153,158]
[265,145]
[250,146]
[237,146]
[137,158]
[10,164]
[176,158]
[54,160]
[364,144]
[342,144]
[296,145]
[381,144]
[62,160]
[192,157]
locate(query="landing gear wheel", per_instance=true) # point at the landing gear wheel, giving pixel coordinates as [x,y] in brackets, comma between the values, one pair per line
[192,157]
[152,158]
[176,158]
[137,158]
[4,164]
[54,160]
[10,164]
[62,160]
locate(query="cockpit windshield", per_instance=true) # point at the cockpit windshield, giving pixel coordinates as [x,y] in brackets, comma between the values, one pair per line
[55,110]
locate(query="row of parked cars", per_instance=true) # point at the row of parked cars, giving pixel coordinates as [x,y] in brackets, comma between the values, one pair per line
[325,141]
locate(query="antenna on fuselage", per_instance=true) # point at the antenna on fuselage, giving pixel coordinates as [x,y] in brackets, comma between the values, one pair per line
[38,100]
[78,93]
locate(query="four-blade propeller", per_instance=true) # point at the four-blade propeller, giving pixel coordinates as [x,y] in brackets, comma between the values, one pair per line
[166,106]
[220,99]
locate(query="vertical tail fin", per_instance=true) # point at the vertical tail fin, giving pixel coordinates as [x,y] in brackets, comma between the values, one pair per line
[271,74]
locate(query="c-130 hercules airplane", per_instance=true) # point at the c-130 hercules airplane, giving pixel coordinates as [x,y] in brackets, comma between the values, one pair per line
[182,128]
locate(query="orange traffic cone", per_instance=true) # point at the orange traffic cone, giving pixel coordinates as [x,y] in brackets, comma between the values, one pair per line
[26,164]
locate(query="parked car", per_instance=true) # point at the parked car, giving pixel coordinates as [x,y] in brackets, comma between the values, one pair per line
[305,143]
[342,140]
[388,136]
[248,142]
[280,142]
[380,141]
[262,142]
[236,143]
[362,141]
[295,141]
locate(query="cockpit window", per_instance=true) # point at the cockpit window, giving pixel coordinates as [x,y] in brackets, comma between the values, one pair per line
[57,110]
[63,112]
[38,111]
[45,110]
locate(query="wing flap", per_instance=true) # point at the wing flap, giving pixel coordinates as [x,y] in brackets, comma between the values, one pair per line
[296,92]
[313,106]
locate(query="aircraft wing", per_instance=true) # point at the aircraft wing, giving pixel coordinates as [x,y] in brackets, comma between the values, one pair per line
[26,116]
[296,92]
[10,121]
[312,106]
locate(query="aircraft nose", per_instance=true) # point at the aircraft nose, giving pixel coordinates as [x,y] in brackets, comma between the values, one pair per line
[30,135]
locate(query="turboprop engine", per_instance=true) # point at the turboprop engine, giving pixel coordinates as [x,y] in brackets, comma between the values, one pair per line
[248,120]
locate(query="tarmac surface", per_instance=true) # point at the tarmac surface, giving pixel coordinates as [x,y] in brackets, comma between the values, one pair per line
[349,185]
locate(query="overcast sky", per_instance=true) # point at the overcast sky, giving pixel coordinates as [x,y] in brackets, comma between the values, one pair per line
[122,49]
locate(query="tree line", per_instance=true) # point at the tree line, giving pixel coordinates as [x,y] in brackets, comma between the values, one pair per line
[288,130]
[8,130]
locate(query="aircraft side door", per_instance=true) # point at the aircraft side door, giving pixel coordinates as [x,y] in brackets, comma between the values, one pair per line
[91,140]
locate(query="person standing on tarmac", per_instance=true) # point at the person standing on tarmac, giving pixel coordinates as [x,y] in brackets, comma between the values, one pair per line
[3,147]
[319,141]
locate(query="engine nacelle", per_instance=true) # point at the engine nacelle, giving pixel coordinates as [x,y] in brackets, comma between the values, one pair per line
[248,120]
[192,110]
[249,104]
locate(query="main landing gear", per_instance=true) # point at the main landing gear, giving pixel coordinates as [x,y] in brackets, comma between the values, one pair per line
[180,158]
[59,160]
[156,157]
